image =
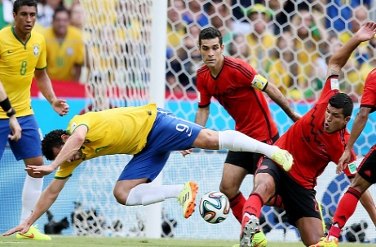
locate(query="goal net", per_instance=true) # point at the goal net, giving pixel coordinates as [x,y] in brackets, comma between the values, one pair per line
[118,42]
[288,43]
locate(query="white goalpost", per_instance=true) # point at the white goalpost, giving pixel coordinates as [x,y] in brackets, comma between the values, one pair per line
[126,63]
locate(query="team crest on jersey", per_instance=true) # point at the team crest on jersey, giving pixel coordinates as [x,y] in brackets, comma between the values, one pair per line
[36,49]
[69,51]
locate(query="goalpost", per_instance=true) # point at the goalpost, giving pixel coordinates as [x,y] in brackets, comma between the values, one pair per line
[126,63]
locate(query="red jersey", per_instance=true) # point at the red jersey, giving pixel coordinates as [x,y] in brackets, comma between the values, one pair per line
[312,147]
[369,92]
[235,89]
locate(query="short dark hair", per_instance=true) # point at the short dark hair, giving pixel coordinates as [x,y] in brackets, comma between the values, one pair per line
[210,33]
[60,9]
[52,140]
[19,3]
[342,101]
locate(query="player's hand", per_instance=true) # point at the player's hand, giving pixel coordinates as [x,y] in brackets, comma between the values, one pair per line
[21,228]
[186,152]
[60,106]
[40,170]
[367,31]
[343,161]
[15,128]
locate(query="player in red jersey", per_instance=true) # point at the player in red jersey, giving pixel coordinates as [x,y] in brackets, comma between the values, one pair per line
[239,89]
[366,175]
[318,138]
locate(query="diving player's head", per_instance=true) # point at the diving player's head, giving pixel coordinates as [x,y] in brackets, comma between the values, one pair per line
[24,14]
[338,112]
[54,141]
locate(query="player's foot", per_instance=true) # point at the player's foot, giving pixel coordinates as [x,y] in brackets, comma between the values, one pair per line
[251,228]
[259,240]
[33,233]
[283,158]
[187,198]
[327,242]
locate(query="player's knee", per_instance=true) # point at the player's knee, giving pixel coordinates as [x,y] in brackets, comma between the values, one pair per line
[265,186]
[34,175]
[207,139]
[37,161]
[312,239]
[120,196]
[229,191]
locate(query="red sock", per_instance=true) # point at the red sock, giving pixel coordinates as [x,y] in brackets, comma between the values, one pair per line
[345,209]
[253,205]
[237,204]
[334,231]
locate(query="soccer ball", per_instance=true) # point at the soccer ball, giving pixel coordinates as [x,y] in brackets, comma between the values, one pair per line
[214,207]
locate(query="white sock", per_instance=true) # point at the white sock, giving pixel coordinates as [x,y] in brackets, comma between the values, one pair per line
[146,194]
[239,142]
[30,194]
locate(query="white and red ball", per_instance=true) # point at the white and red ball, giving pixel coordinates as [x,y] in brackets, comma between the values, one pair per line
[214,207]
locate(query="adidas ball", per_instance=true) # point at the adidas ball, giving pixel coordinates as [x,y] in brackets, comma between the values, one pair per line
[214,207]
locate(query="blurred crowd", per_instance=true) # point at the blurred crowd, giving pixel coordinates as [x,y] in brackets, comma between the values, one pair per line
[289,42]
[61,22]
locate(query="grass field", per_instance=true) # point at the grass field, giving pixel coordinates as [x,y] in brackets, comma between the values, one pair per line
[65,241]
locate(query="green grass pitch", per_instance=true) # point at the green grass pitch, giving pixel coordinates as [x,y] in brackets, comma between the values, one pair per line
[68,241]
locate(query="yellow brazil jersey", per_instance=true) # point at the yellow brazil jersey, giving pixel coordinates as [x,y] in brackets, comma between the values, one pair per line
[63,55]
[260,48]
[121,130]
[18,62]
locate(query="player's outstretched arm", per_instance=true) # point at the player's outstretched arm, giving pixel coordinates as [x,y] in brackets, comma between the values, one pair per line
[276,95]
[358,126]
[45,86]
[45,201]
[69,152]
[339,59]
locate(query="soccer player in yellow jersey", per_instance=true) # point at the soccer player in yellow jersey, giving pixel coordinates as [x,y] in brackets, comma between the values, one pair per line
[65,48]
[150,134]
[22,57]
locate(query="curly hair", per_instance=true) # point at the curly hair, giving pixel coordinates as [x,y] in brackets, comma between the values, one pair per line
[52,140]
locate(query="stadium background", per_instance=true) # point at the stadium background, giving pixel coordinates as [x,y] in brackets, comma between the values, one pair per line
[277,48]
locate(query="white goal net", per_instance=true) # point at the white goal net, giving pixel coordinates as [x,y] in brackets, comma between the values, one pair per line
[288,42]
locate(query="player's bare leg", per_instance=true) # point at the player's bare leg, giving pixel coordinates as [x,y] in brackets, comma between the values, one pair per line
[310,229]
[31,191]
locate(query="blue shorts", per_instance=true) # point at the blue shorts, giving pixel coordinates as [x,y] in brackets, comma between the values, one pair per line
[29,146]
[168,133]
